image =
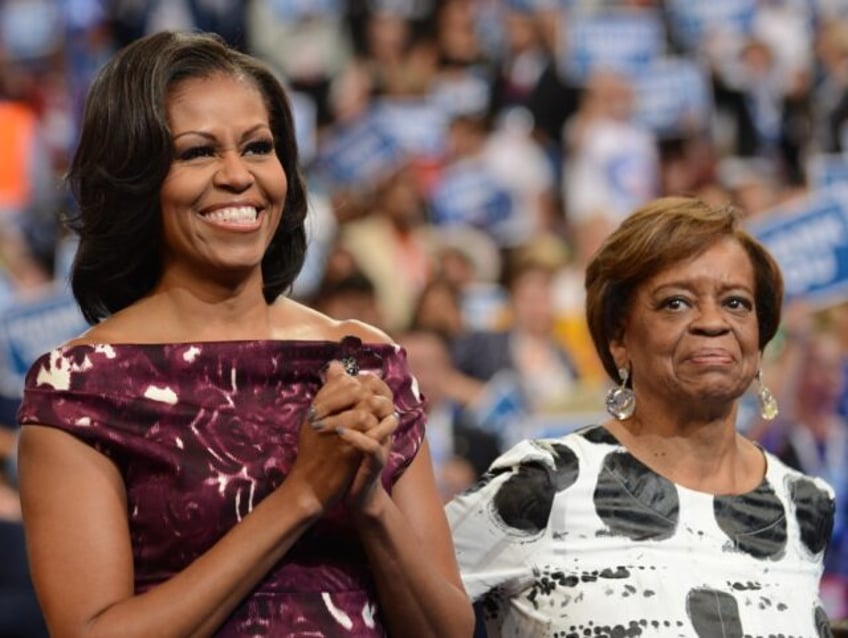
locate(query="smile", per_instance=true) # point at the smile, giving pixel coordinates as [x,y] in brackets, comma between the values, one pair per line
[236,215]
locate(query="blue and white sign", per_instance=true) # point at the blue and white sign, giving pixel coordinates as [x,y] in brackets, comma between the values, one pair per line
[305,115]
[808,237]
[31,327]
[693,20]
[418,126]
[359,153]
[468,194]
[625,40]
[673,96]
[294,10]
[827,169]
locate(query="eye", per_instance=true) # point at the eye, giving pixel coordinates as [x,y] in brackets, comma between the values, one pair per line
[195,152]
[259,147]
[674,303]
[739,303]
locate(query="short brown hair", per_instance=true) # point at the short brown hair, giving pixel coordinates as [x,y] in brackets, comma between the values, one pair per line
[661,233]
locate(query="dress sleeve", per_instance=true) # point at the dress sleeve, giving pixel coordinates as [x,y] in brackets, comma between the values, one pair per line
[409,403]
[498,524]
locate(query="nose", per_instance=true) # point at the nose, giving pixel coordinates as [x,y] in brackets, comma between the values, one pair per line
[710,320]
[233,173]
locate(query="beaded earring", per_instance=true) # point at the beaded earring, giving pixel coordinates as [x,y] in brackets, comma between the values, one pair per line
[768,404]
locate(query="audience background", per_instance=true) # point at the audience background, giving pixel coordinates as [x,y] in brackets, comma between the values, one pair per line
[465,158]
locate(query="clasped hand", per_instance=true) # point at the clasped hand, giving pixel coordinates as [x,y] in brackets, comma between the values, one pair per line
[344,444]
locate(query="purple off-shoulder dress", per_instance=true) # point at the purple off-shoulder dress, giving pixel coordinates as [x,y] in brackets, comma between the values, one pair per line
[201,433]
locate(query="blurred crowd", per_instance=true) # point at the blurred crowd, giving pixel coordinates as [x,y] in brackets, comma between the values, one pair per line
[465,158]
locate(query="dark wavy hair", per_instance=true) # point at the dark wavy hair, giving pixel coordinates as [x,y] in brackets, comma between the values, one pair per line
[126,150]
[662,233]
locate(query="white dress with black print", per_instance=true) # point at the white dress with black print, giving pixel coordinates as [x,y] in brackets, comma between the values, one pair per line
[574,537]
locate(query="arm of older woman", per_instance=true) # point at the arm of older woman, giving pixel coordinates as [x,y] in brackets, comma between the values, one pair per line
[79,540]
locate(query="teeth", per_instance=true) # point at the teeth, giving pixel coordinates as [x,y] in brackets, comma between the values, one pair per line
[235,215]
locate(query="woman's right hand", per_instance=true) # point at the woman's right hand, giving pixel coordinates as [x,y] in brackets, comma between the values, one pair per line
[326,463]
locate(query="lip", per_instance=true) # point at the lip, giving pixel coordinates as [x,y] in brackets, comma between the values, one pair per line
[711,356]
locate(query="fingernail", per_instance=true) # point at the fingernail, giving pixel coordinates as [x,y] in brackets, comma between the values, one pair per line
[340,430]
[312,415]
[316,425]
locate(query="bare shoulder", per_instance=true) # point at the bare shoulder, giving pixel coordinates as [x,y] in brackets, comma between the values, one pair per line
[111,330]
[294,320]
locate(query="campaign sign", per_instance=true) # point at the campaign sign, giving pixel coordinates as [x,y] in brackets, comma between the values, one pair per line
[827,169]
[418,126]
[293,10]
[304,113]
[693,20]
[468,194]
[673,97]
[359,153]
[808,237]
[31,327]
[625,40]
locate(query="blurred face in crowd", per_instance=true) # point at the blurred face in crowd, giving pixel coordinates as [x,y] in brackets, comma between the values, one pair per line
[691,334]
[821,380]
[532,301]
[223,197]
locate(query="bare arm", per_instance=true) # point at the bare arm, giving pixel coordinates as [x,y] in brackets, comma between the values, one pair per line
[410,552]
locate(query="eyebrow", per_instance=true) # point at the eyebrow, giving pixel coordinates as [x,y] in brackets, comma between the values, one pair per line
[212,136]
[688,285]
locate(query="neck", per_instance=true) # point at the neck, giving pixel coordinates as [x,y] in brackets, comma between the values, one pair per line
[211,311]
[703,454]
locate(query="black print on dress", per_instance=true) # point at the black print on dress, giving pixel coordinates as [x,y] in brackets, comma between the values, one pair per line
[599,434]
[714,613]
[823,629]
[634,501]
[814,511]
[523,503]
[755,522]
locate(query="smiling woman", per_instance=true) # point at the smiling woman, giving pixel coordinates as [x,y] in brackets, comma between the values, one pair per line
[664,520]
[211,457]
[223,197]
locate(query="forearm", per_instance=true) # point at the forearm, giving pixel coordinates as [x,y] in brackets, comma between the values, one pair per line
[416,600]
[198,600]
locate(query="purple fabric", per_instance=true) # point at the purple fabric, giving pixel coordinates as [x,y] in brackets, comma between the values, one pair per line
[201,432]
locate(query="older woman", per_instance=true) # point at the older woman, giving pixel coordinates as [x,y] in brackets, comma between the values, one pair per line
[663,521]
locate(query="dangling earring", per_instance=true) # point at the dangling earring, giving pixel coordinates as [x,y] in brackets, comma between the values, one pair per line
[768,404]
[620,401]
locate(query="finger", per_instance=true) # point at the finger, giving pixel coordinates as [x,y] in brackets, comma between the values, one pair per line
[362,443]
[346,392]
[376,385]
[361,420]
[379,406]
[338,394]
[385,428]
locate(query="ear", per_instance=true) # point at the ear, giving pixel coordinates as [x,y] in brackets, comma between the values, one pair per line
[618,350]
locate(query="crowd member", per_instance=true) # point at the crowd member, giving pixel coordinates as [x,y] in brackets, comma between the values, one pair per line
[811,436]
[460,448]
[528,345]
[587,533]
[391,244]
[230,461]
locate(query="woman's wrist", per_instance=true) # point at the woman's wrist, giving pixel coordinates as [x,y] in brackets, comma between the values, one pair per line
[371,509]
